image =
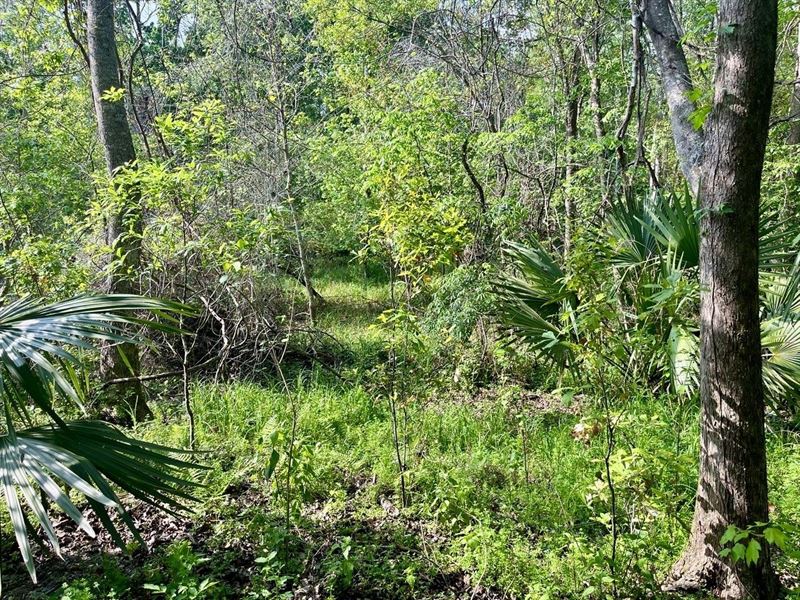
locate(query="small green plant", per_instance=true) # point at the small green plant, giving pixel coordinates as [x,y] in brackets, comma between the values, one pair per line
[273,581]
[290,468]
[77,590]
[182,583]
[182,591]
[747,544]
[340,564]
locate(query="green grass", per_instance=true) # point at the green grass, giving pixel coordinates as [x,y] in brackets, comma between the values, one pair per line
[503,497]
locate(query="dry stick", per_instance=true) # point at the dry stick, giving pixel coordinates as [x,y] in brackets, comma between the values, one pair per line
[153,377]
[283,118]
[483,221]
[137,23]
[633,84]
[403,391]
[292,437]
[611,427]
[225,341]
[610,441]
[524,430]
[293,407]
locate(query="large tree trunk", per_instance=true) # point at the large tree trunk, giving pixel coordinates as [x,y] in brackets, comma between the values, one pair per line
[123,227]
[732,488]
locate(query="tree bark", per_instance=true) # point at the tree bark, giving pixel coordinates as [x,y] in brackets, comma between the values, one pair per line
[591,56]
[794,107]
[124,226]
[732,488]
[677,83]
[571,83]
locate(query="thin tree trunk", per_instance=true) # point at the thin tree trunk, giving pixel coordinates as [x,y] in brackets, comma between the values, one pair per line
[732,488]
[591,56]
[794,108]
[123,227]
[282,130]
[311,294]
[571,134]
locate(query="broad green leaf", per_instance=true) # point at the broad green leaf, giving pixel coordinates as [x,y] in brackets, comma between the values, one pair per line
[753,552]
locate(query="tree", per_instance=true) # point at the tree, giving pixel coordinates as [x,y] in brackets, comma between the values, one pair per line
[723,163]
[123,227]
[794,106]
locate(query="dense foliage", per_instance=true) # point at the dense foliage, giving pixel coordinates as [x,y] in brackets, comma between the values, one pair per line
[432,292]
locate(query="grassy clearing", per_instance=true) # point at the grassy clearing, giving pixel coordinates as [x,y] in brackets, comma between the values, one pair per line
[506,499]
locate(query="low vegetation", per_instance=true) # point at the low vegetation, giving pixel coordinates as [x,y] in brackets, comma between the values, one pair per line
[330,299]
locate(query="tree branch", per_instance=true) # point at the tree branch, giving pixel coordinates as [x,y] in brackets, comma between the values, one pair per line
[677,82]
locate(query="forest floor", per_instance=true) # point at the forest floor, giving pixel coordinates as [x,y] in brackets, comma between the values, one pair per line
[505,490]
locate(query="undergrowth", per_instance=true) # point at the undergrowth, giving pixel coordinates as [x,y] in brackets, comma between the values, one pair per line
[506,487]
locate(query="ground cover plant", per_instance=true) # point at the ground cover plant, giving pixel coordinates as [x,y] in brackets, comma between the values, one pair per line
[420,299]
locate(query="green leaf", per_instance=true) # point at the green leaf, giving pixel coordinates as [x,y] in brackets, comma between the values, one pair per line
[753,552]
[738,552]
[273,462]
[113,94]
[729,534]
[698,116]
[775,536]
[741,535]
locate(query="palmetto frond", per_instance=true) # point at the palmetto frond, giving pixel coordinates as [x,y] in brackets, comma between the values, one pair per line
[675,224]
[779,241]
[540,283]
[659,242]
[780,342]
[780,291]
[780,333]
[630,232]
[529,304]
[35,336]
[36,340]
[86,457]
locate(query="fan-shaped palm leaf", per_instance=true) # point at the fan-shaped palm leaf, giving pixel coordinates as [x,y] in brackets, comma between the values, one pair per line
[630,229]
[34,336]
[529,305]
[780,291]
[780,330]
[675,224]
[88,457]
[779,238]
[537,332]
[540,283]
[780,341]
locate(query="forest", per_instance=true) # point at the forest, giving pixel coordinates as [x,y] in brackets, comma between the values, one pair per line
[399,299]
